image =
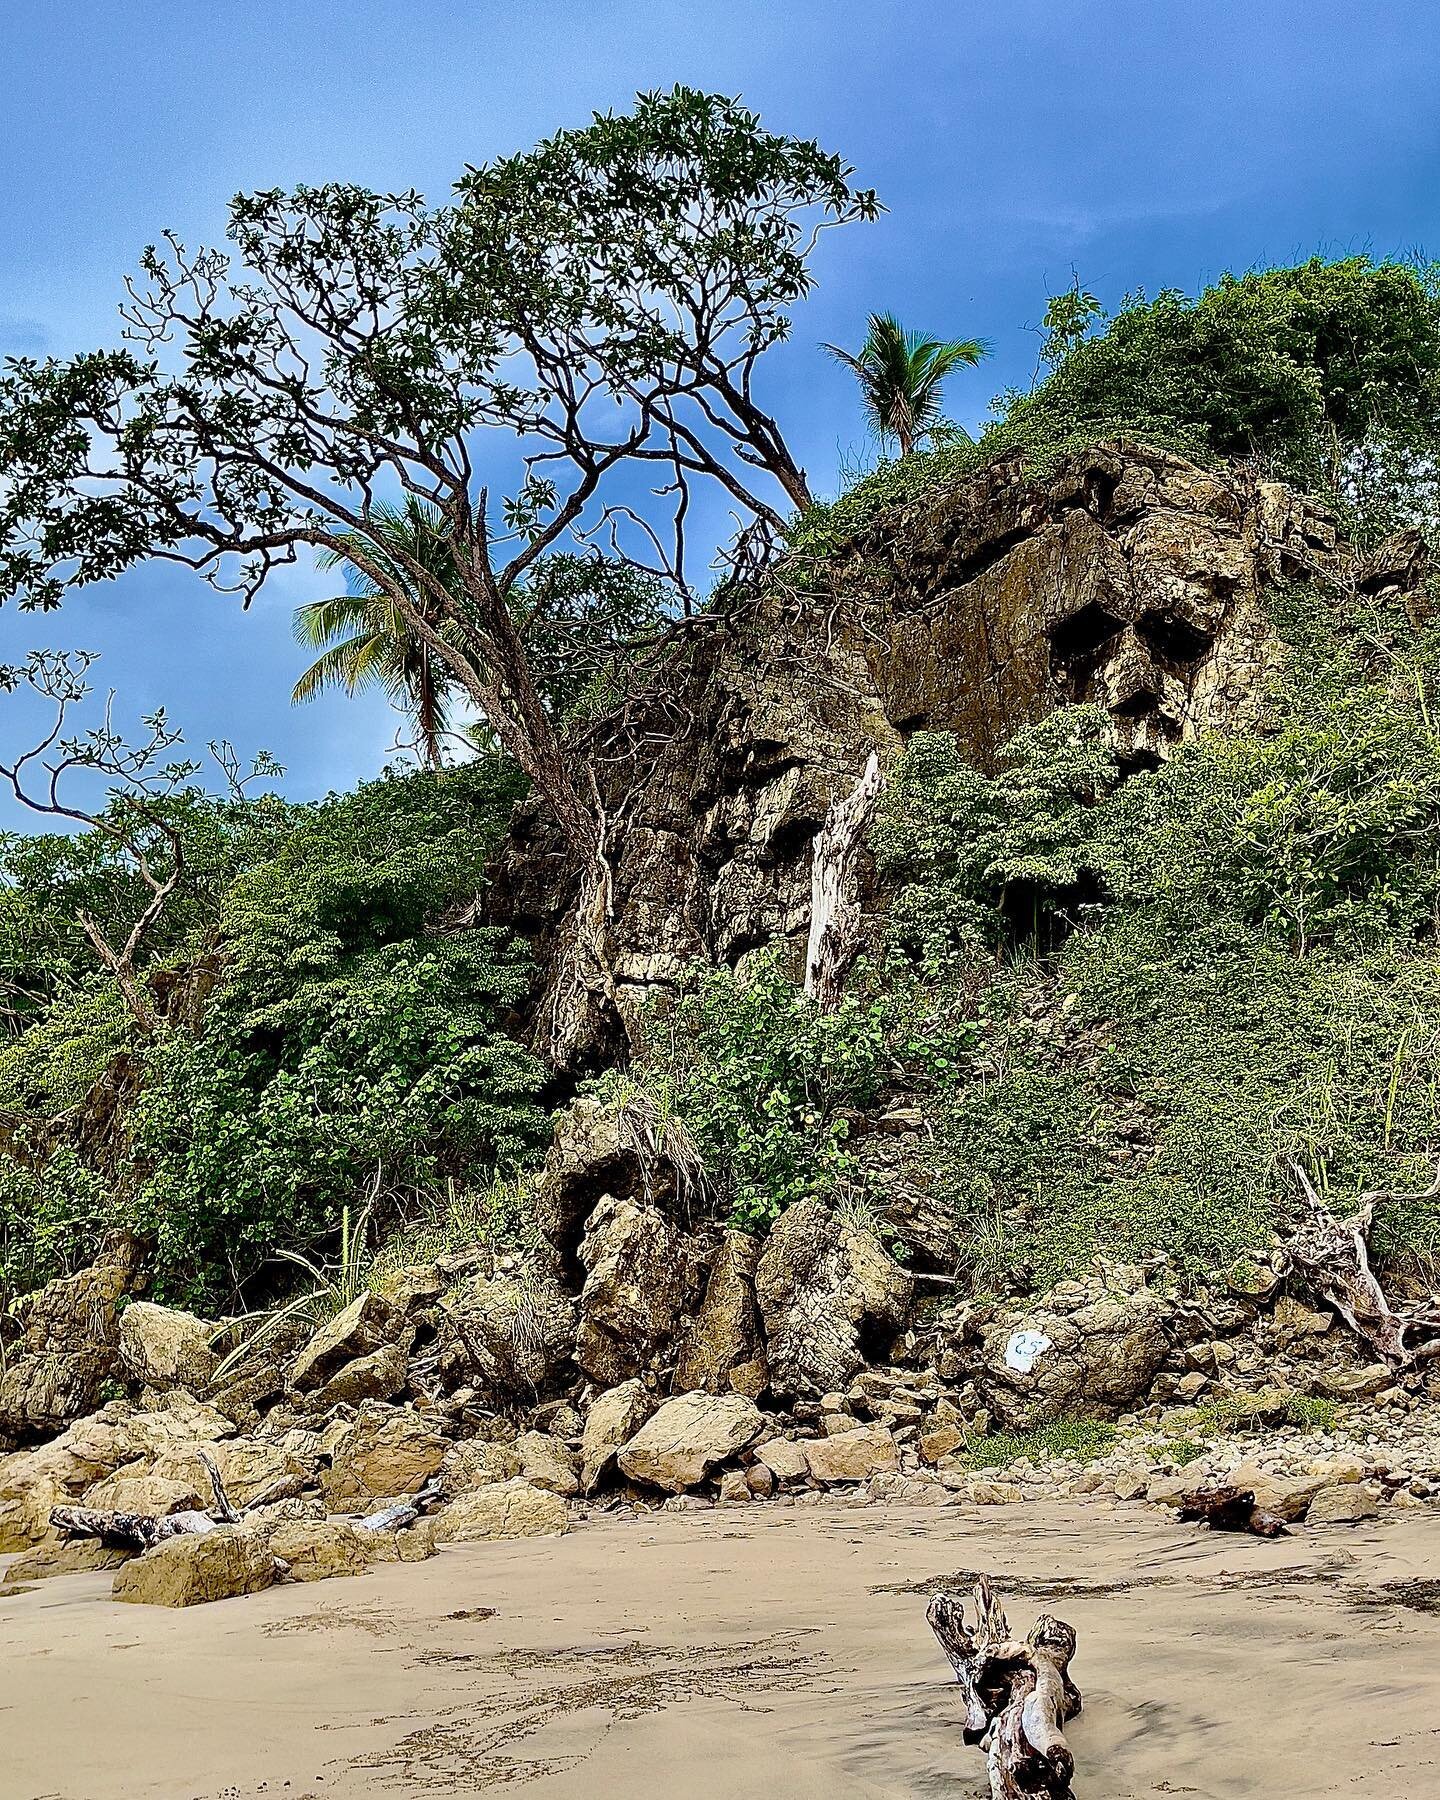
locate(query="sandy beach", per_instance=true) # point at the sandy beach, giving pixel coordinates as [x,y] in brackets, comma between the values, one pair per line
[766,1652]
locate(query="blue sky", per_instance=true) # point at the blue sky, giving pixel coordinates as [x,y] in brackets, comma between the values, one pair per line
[1139,143]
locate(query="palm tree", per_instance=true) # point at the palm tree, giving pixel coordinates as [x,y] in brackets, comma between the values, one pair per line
[364,637]
[900,374]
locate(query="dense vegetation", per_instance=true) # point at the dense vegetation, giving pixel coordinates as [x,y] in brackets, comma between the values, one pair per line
[233,1023]
[1326,374]
[334,1032]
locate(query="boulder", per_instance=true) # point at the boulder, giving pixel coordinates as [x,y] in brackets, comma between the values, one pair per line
[143,1491]
[941,1441]
[1086,1347]
[317,1549]
[1288,1497]
[252,1470]
[161,1347]
[77,1556]
[785,1459]
[688,1436]
[514,1335]
[853,1455]
[633,1292]
[547,1463]
[505,1509]
[611,1422]
[179,1422]
[379,1376]
[827,1290]
[735,1488]
[596,1151]
[190,1571]
[68,1344]
[722,1350]
[1342,1503]
[385,1452]
[369,1323]
[475,1464]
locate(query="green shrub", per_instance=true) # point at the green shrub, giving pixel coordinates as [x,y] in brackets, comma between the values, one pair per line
[1079,1439]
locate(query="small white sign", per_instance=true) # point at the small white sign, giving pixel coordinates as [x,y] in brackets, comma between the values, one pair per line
[1025,1349]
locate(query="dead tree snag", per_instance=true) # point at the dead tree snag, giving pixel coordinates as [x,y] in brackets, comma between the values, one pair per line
[1018,1696]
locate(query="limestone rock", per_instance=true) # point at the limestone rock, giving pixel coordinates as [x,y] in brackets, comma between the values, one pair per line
[688,1436]
[387,1451]
[735,1488]
[68,1348]
[476,1463]
[1124,577]
[785,1459]
[190,1571]
[853,1455]
[611,1422]
[379,1376]
[940,1442]
[504,1509]
[161,1347]
[516,1335]
[1287,1496]
[826,1286]
[146,1492]
[722,1350]
[369,1323]
[1087,1347]
[77,1556]
[317,1549]
[252,1470]
[1344,1503]
[634,1287]
[547,1463]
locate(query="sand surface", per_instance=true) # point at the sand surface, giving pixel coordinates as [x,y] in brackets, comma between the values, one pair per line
[775,1652]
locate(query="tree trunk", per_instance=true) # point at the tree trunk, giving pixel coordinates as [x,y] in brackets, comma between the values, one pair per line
[143,1531]
[1018,1697]
[1334,1258]
[834,912]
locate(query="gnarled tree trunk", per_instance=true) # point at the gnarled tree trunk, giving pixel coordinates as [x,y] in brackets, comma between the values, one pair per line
[1018,1696]
[1333,1256]
[834,911]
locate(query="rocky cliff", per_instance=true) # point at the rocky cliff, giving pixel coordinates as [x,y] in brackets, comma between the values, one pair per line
[1127,577]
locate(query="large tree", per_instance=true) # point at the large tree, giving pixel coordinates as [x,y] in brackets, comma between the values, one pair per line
[599,302]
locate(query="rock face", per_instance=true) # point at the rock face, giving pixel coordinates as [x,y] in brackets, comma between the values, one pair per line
[688,1436]
[384,1453]
[722,1350]
[370,1323]
[828,1291]
[68,1347]
[1088,1346]
[189,1571]
[634,1287]
[163,1348]
[1128,577]
[505,1509]
[611,1423]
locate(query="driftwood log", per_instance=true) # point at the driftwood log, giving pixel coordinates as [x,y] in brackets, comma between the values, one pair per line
[834,911]
[1333,1257]
[142,1531]
[1230,1509]
[1018,1696]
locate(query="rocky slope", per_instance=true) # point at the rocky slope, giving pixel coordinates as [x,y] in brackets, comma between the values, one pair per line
[1128,578]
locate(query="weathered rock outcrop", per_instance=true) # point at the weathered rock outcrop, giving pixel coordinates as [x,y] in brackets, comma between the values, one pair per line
[635,1284]
[67,1348]
[722,1349]
[161,1347]
[1087,1346]
[513,1335]
[828,1292]
[1128,577]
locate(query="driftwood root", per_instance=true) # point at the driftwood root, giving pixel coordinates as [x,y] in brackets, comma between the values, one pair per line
[1018,1695]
